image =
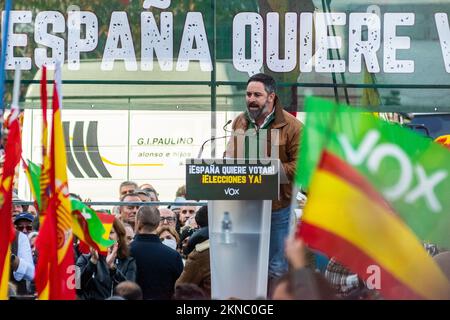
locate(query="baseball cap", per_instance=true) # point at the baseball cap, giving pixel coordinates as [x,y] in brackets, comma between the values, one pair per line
[24,216]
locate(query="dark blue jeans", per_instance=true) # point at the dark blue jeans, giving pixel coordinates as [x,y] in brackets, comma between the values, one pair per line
[279,230]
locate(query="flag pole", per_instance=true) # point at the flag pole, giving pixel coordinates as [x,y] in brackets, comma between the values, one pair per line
[13,151]
[5,29]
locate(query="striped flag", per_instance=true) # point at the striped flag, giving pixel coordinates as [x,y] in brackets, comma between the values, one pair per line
[107,221]
[55,240]
[91,227]
[347,218]
[443,140]
[44,179]
[33,173]
[409,170]
[13,152]
[88,225]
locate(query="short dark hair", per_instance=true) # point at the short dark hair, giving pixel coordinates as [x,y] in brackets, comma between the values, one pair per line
[269,83]
[128,290]
[148,217]
[188,291]
[201,217]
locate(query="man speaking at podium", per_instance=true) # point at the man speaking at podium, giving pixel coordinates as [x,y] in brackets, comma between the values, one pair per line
[264,111]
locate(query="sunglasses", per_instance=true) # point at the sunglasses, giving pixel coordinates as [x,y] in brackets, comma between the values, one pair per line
[23,228]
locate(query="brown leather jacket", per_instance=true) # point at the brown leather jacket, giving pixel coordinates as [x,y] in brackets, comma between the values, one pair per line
[289,139]
[197,268]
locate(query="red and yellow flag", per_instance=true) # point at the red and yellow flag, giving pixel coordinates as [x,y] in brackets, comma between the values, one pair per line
[44,181]
[55,240]
[347,218]
[444,140]
[13,151]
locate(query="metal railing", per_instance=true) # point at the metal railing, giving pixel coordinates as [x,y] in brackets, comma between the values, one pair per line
[121,203]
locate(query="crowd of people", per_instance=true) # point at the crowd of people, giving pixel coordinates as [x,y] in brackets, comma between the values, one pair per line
[156,251]
[163,253]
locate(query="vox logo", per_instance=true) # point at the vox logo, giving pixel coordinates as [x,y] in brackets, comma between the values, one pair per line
[371,152]
[231,192]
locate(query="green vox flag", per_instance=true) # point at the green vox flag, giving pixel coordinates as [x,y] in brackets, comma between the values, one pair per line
[88,227]
[411,171]
[33,172]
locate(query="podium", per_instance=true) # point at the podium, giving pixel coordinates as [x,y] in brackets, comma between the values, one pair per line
[239,221]
[239,267]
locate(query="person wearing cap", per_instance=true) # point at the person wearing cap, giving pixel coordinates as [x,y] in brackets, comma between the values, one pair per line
[22,263]
[23,222]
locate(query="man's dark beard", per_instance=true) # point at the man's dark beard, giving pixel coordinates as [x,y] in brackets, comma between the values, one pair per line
[256,113]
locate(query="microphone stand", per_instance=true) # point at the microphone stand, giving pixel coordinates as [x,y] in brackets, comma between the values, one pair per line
[213,139]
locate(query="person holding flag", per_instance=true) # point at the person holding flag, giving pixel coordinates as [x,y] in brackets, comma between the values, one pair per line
[15,250]
[55,239]
[48,183]
[100,274]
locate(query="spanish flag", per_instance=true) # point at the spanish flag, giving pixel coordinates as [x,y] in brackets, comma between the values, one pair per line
[444,140]
[44,178]
[347,218]
[13,151]
[54,272]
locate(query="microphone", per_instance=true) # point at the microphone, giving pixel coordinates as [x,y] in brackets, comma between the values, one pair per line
[226,124]
[213,138]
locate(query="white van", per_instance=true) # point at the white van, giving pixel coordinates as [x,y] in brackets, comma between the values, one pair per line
[143,133]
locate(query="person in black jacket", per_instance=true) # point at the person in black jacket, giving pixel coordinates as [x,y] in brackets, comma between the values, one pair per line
[99,275]
[201,234]
[158,266]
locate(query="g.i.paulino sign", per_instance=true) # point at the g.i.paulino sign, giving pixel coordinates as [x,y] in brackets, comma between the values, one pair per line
[59,37]
[232,179]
